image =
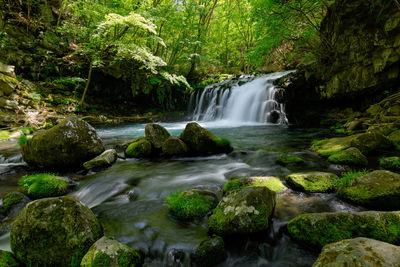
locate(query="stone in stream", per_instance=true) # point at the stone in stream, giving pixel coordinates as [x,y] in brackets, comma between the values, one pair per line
[370,142]
[67,145]
[156,135]
[390,163]
[243,211]
[272,183]
[320,229]
[139,149]
[377,189]
[350,156]
[107,252]
[331,146]
[105,159]
[210,252]
[174,146]
[7,259]
[14,199]
[54,232]
[285,159]
[359,252]
[312,181]
[41,185]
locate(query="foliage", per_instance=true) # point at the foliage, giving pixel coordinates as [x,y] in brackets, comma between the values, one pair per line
[42,185]
[188,204]
[22,140]
[347,177]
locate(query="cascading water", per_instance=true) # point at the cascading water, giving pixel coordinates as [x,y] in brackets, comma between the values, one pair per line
[244,100]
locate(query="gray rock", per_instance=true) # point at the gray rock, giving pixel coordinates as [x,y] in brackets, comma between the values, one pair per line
[105,159]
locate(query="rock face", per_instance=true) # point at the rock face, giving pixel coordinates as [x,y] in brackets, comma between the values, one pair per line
[174,146]
[350,156]
[243,211]
[54,232]
[320,229]
[359,252]
[377,189]
[107,252]
[107,158]
[67,145]
[156,135]
[364,45]
[210,252]
[312,181]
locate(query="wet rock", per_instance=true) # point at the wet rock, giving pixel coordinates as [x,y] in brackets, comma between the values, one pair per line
[272,183]
[132,194]
[320,229]
[156,135]
[312,181]
[390,163]
[13,203]
[139,149]
[174,146]
[359,252]
[274,116]
[350,156]
[378,189]
[175,258]
[7,259]
[370,142]
[54,232]
[243,211]
[107,252]
[105,159]
[285,159]
[67,145]
[210,252]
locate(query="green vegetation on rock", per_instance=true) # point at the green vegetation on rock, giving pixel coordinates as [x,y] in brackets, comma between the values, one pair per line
[285,159]
[272,183]
[347,177]
[11,199]
[312,181]
[331,146]
[390,163]
[139,149]
[43,185]
[174,146]
[350,156]
[7,259]
[210,252]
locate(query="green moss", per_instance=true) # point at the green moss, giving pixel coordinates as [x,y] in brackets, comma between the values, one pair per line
[7,259]
[224,145]
[189,204]
[43,185]
[139,149]
[271,183]
[101,260]
[331,146]
[128,258]
[312,181]
[4,135]
[285,159]
[350,156]
[11,199]
[210,252]
[347,177]
[22,140]
[390,163]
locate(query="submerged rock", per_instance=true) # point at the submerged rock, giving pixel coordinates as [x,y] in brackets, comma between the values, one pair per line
[139,149]
[7,259]
[359,252]
[210,252]
[390,163]
[350,156]
[54,232]
[377,189]
[272,183]
[243,211]
[67,145]
[320,229]
[312,181]
[107,252]
[106,159]
[174,146]
[156,135]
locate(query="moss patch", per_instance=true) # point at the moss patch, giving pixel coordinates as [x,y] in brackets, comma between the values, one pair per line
[390,163]
[350,156]
[11,199]
[140,149]
[4,135]
[347,177]
[43,185]
[331,146]
[7,259]
[285,159]
[312,181]
[189,204]
[272,183]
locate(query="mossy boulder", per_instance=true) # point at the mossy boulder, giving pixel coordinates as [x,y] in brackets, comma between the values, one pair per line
[210,252]
[67,145]
[107,252]
[105,159]
[12,199]
[7,259]
[390,163]
[370,142]
[139,149]
[320,229]
[331,146]
[394,137]
[358,252]
[191,204]
[202,142]
[377,189]
[272,183]
[285,159]
[125,145]
[43,185]
[156,135]
[174,146]
[54,232]
[350,156]
[243,211]
[312,181]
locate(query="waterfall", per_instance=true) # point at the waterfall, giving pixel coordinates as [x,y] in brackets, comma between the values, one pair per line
[246,99]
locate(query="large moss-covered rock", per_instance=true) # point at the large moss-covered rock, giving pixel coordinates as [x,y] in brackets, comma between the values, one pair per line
[350,156]
[105,159]
[312,181]
[174,146]
[359,252]
[390,163]
[370,142]
[202,142]
[7,259]
[54,232]
[210,252]
[43,185]
[139,149]
[107,252]
[67,145]
[285,159]
[272,183]
[320,229]
[331,146]
[377,189]
[156,135]
[243,211]
[394,137]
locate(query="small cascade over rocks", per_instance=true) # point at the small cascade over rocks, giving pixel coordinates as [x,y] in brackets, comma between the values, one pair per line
[244,99]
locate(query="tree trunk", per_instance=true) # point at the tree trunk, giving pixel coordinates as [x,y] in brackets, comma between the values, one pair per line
[87,83]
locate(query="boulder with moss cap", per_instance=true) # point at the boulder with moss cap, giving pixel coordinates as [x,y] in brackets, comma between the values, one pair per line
[331,146]
[320,229]
[243,211]
[210,252]
[105,159]
[390,163]
[359,252]
[350,156]
[54,232]
[139,149]
[174,146]
[107,252]
[156,135]
[370,142]
[312,181]
[272,183]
